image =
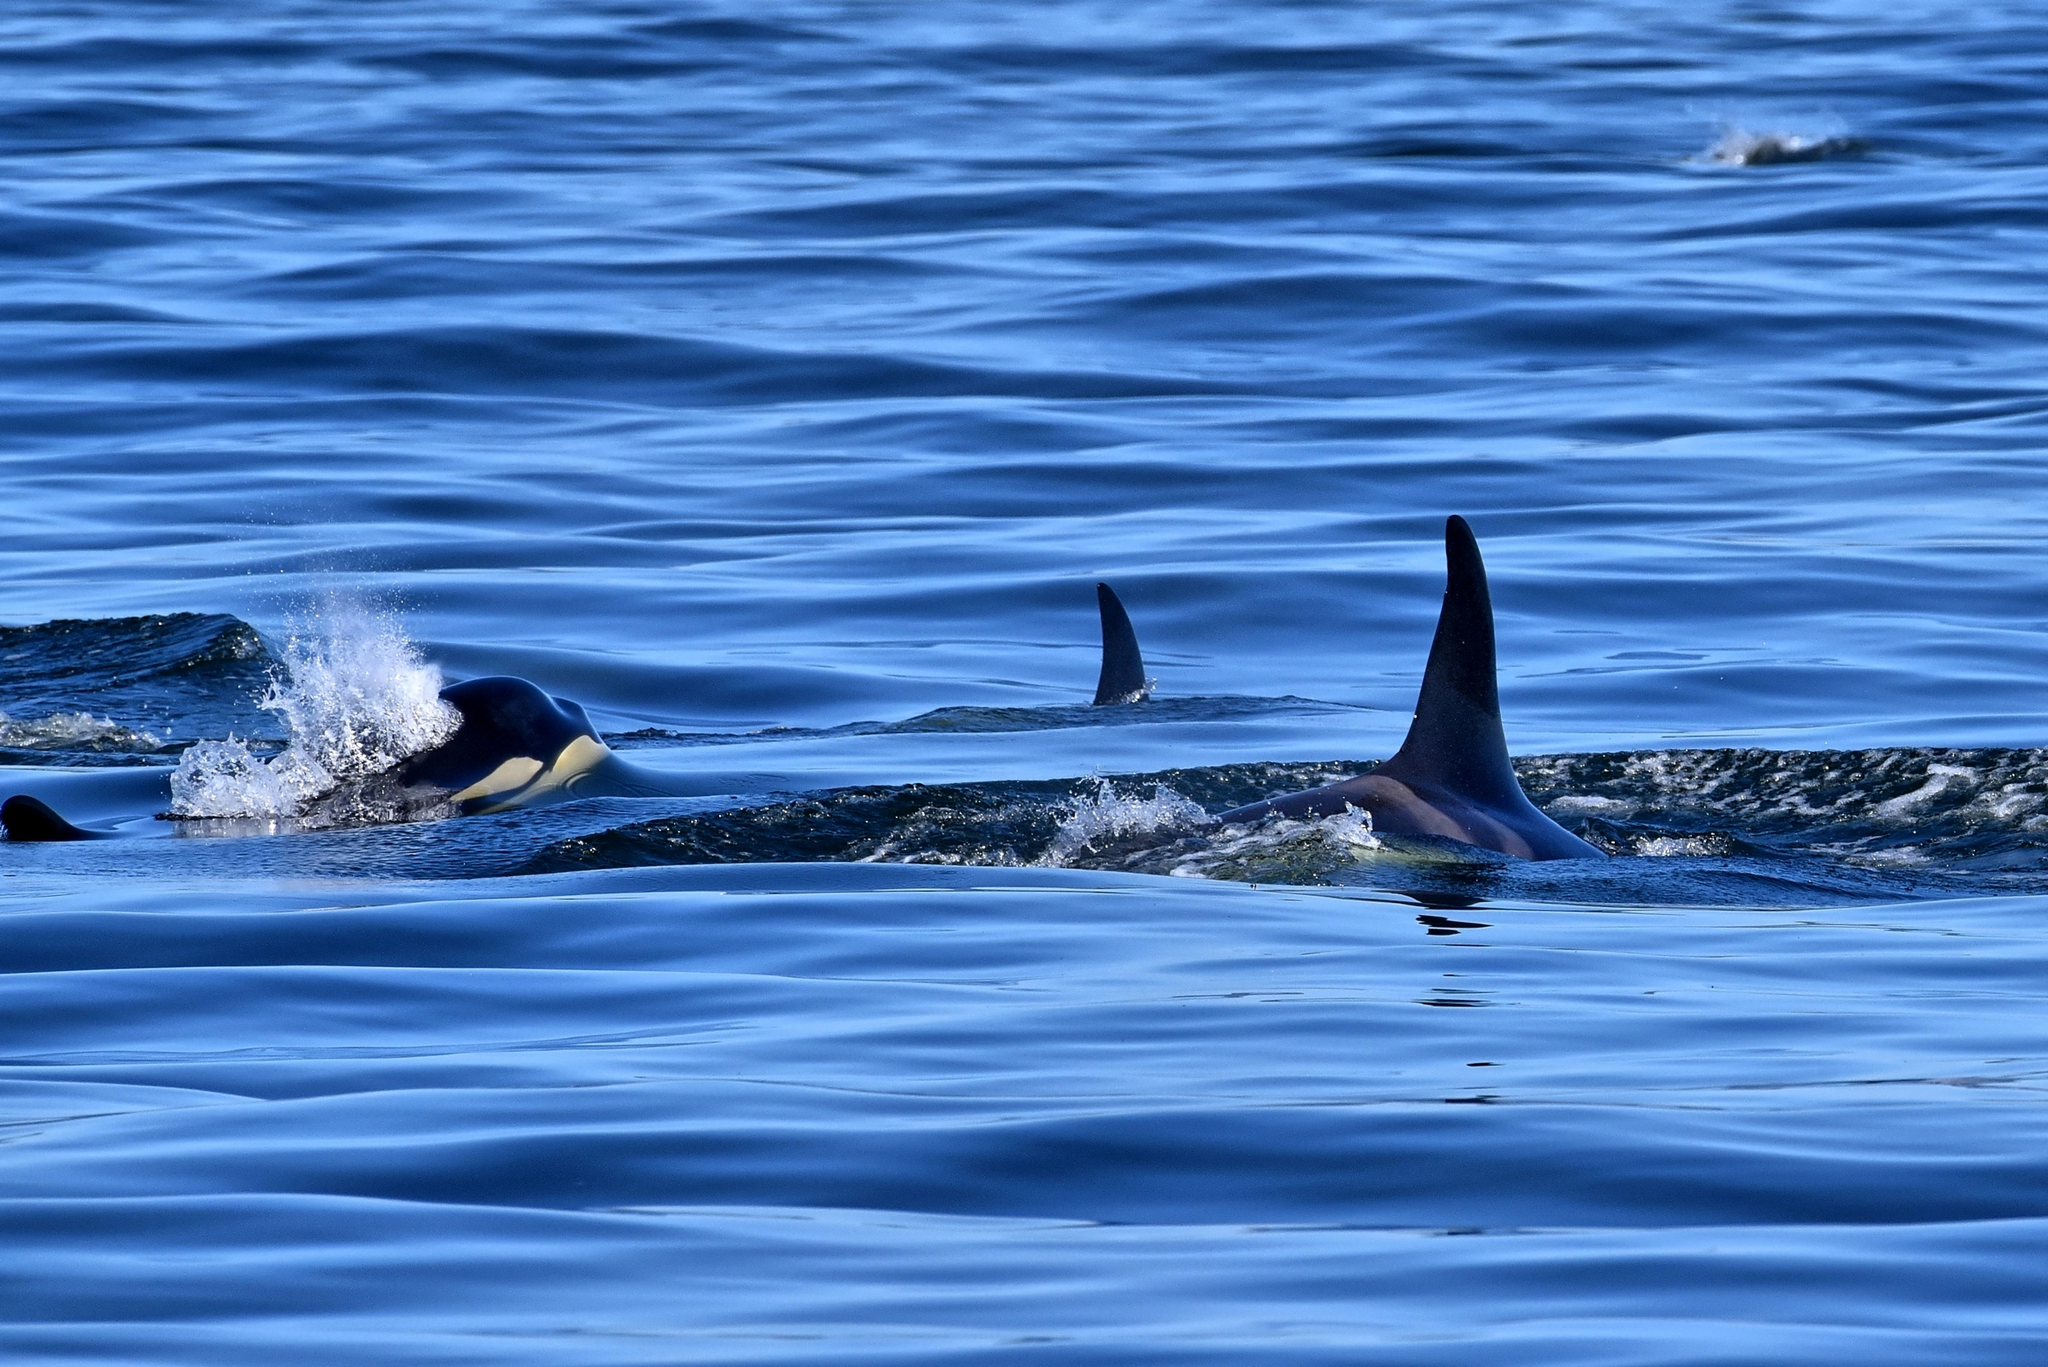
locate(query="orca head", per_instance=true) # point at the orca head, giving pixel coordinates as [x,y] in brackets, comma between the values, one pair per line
[515,743]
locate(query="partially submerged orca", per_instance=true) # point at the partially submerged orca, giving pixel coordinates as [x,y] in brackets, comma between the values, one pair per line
[516,746]
[1451,777]
[519,746]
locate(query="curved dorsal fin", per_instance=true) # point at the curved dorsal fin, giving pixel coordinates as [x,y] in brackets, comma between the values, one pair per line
[1456,742]
[29,818]
[1123,669]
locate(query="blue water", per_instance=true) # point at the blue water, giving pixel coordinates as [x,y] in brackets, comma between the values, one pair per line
[777,381]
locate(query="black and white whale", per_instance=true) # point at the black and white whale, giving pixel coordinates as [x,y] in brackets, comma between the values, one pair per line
[517,745]
[1451,778]
[520,746]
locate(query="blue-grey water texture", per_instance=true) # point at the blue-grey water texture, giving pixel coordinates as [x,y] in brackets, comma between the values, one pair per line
[777,380]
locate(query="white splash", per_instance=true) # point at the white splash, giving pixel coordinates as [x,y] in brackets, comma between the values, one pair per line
[1680,846]
[1107,814]
[1347,834]
[356,697]
[1592,804]
[221,778]
[1138,694]
[1740,147]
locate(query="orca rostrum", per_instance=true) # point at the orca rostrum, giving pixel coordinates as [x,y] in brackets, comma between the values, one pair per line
[1451,778]
[1123,669]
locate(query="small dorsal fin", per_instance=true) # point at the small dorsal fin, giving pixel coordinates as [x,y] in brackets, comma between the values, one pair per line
[1123,669]
[29,818]
[1455,742]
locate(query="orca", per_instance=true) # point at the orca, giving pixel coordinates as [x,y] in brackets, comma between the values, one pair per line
[1123,669]
[519,746]
[1451,778]
[516,746]
[31,818]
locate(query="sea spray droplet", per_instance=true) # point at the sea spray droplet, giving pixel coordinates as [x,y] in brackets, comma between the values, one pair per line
[356,697]
[1107,814]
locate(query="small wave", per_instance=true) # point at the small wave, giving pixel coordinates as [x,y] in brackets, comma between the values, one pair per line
[108,652]
[123,689]
[74,731]
[1740,147]
[991,720]
[1798,792]
[987,824]
[1105,816]
[356,698]
[1084,824]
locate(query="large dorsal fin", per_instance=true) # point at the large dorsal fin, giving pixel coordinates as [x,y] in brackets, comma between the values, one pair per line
[1456,742]
[1123,669]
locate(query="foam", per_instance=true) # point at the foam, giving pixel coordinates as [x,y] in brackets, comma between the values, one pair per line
[1106,815]
[73,731]
[356,698]
[1277,842]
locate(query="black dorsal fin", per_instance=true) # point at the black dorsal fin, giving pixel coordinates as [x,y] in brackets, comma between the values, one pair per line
[28,818]
[1456,742]
[1123,669]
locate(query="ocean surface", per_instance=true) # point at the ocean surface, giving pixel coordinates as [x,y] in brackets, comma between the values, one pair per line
[777,381]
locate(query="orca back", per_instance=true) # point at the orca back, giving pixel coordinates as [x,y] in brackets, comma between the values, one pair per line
[30,818]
